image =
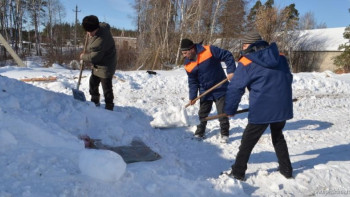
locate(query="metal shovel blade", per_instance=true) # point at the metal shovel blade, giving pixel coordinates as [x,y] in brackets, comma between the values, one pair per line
[79,95]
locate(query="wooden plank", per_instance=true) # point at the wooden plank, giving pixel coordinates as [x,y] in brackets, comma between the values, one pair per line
[12,52]
[40,79]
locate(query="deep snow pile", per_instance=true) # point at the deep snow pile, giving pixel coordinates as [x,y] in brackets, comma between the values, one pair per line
[41,154]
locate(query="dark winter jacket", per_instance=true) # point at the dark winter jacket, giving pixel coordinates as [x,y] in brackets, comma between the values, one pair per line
[206,71]
[266,74]
[101,52]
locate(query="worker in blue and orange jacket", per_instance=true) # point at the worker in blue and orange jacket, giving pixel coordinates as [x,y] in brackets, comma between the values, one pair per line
[204,70]
[266,74]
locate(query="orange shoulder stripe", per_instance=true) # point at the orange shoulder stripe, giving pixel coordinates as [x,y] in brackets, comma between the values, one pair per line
[245,61]
[201,57]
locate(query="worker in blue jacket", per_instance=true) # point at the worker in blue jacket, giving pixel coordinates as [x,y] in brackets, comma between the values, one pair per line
[204,70]
[266,74]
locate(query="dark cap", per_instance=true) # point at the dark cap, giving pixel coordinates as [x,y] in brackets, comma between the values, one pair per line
[251,37]
[90,23]
[186,44]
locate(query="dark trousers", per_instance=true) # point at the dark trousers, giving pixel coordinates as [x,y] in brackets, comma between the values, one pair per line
[94,84]
[204,110]
[251,136]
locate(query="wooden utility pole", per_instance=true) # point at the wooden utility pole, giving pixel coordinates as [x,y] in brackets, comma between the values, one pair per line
[12,52]
[76,24]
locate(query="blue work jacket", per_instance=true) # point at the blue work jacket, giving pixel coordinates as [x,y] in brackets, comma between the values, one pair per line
[266,74]
[206,71]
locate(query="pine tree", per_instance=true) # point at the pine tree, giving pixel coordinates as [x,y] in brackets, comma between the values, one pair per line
[343,60]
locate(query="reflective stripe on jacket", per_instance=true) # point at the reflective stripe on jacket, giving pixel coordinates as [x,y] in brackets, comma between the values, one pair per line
[206,71]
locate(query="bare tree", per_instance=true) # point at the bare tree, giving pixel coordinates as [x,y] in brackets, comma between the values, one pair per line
[307,21]
[231,24]
[268,22]
[251,18]
[37,12]
[20,11]
[50,22]
[274,24]
[3,19]
[157,30]
[187,12]
[55,12]
[163,24]
[11,20]
[218,5]
[321,25]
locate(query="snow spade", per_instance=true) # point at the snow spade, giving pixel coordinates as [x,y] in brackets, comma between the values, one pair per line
[177,117]
[77,94]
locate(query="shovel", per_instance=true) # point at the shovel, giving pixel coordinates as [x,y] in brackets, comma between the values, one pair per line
[77,94]
[209,90]
[225,115]
[222,115]
[175,117]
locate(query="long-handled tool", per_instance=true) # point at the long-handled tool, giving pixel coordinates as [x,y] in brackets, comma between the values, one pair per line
[222,115]
[225,115]
[77,94]
[178,116]
[207,91]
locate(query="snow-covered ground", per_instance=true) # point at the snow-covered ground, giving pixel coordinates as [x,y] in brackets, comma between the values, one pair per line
[41,155]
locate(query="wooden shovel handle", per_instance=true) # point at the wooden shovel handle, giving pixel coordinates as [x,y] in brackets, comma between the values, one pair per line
[82,62]
[85,45]
[209,90]
[225,115]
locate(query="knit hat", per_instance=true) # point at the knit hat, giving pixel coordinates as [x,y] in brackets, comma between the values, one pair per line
[186,44]
[251,37]
[90,23]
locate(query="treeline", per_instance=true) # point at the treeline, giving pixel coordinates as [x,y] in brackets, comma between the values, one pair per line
[37,27]
[162,24]
[160,27]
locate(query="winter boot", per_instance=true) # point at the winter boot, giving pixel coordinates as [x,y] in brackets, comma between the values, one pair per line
[109,106]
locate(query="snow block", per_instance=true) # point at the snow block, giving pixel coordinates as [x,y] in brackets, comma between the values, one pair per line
[105,165]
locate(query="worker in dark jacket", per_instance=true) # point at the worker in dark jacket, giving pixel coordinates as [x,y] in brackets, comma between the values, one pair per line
[266,74]
[204,70]
[101,53]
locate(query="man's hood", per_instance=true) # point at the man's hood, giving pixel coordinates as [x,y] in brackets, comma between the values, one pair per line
[267,57]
